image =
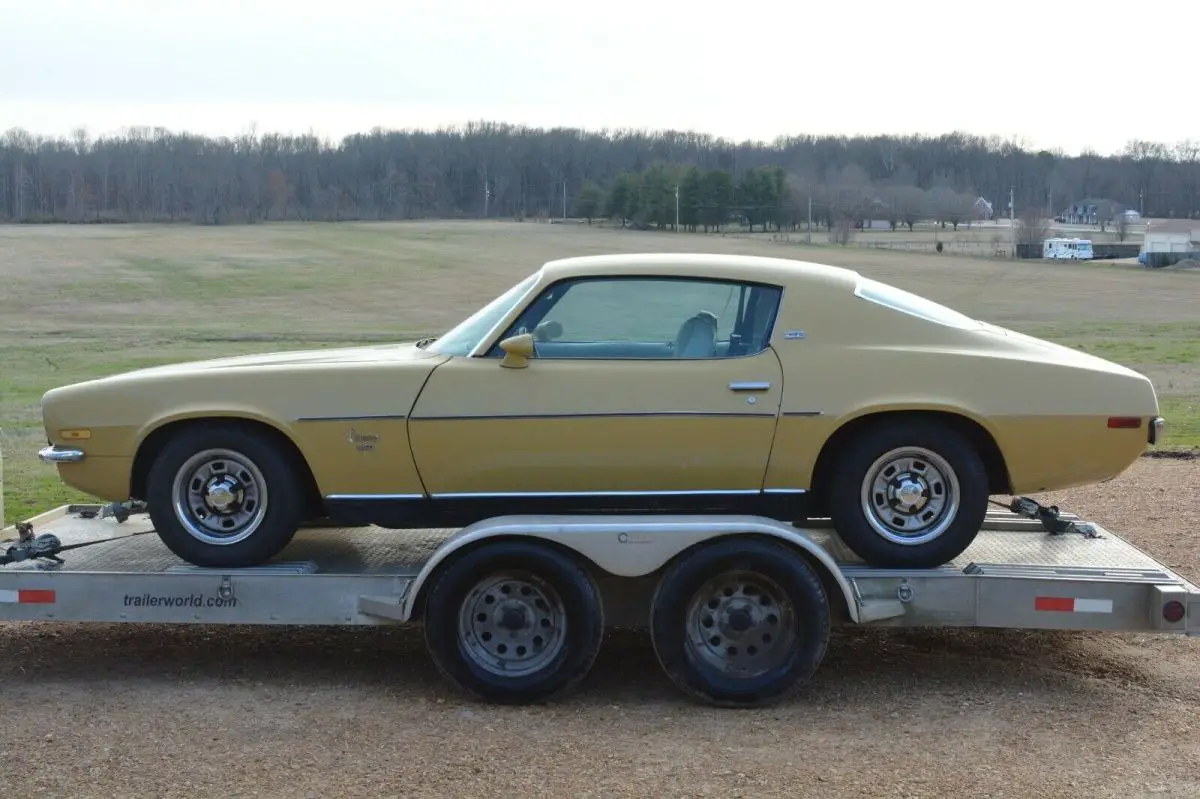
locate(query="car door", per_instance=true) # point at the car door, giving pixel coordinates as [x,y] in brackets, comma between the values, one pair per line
[640,387]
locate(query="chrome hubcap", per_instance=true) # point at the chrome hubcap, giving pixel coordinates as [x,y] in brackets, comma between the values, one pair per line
[910,495]
[512,625]
[741,623]
[220,496]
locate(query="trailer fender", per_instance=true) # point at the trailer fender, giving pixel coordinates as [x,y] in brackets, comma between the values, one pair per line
[628,546]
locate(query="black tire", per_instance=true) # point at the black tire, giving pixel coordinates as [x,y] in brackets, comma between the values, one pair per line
[248,456]
[559,638]
[947,467]
[790,632]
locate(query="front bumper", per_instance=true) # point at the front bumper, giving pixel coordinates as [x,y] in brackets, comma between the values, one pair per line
[53,454]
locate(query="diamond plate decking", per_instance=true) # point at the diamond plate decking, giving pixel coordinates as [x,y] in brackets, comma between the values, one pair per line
[1006,541]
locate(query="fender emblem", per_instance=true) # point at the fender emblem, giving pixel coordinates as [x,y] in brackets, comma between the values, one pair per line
[363,442]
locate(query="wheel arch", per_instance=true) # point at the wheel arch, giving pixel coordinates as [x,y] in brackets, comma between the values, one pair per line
[155,438]
[450,553]
[837,588]
[999,481]
[667,541]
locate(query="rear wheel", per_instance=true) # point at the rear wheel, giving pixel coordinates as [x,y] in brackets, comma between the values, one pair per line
[908,494]
[224,496]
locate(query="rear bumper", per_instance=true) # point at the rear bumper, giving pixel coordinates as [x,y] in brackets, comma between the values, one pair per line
[1155,430]
[53,454]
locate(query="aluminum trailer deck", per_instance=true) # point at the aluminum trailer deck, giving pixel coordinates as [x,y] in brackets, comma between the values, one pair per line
[784,586]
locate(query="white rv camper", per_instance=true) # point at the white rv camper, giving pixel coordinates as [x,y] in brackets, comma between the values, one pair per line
[1067,249]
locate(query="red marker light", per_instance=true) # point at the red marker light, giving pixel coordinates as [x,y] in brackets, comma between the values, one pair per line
[1173,611]
[1124,422]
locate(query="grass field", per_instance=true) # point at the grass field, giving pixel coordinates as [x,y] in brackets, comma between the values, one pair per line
[80,302]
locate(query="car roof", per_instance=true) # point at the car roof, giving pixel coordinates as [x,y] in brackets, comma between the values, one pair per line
[782,271]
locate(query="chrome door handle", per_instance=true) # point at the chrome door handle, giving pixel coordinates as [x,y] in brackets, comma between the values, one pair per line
[749,386]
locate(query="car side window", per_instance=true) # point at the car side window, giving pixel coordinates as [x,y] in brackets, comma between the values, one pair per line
[647,317]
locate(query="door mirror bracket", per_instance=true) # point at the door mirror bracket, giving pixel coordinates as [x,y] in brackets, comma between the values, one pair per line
[517,351]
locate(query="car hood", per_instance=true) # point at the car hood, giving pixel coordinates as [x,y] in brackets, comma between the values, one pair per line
[367,354]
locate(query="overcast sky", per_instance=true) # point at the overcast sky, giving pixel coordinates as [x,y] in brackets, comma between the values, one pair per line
[1043,71]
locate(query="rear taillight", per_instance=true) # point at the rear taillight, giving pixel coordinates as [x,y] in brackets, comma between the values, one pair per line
[1124,422]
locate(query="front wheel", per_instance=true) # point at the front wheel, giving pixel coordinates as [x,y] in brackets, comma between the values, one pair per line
[224,496]
[908,495]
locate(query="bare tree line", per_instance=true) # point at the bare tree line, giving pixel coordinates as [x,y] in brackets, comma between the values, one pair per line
[498,170]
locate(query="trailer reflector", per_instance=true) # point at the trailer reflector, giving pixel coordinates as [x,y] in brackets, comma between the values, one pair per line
[28,596]
[1067,604]
[1174,611]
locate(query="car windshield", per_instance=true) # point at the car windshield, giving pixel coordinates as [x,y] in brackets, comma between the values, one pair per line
[463,337]
[906,302]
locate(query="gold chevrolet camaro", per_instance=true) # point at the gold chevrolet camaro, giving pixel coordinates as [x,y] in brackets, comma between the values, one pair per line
[624,384]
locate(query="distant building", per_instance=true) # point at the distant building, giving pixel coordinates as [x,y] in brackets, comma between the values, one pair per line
[1172,235]
[983,208]
[1092,211]
[1167,241]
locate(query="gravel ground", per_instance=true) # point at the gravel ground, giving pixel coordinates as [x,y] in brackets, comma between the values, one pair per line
[161,711]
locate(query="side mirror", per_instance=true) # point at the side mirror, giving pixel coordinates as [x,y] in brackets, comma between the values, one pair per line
[517,351]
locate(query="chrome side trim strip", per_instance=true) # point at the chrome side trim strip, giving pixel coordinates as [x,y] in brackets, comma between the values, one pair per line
[364,418]
[804,413]
[749,385]
[549,494]
[748,492]
[615,415]
[372,497]
[53,454]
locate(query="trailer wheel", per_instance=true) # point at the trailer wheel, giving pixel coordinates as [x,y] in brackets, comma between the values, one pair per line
[224,496]
[514,622]
[740,622]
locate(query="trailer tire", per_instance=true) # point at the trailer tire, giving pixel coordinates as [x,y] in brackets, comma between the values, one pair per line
[873,469]
[514,622]
[262,484]
[723,605]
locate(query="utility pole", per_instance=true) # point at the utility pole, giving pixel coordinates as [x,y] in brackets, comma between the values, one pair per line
[487,193]
[810,219]
[677,208]
[1012,220]
[564,201]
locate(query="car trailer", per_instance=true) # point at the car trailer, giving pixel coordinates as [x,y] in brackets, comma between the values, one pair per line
[739,608]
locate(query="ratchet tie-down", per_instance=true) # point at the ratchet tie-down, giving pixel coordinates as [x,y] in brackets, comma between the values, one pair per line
[46,547]
[1049,517]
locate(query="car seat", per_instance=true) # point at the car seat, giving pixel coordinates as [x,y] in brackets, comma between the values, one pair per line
[697,337]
